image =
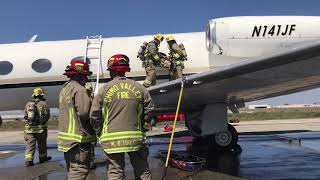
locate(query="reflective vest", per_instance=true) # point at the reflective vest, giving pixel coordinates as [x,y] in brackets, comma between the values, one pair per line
[70,134]
[133,138]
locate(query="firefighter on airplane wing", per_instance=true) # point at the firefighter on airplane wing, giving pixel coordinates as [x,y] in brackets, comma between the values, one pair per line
[149,55]
[177,55]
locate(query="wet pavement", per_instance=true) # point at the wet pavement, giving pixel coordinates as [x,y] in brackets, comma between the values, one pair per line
[266,156]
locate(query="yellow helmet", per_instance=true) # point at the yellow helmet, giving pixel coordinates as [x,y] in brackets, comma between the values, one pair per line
[170,38]
[38,92]
[159,37]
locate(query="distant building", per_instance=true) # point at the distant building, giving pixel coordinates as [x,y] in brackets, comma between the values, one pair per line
[298,106]
[260,106]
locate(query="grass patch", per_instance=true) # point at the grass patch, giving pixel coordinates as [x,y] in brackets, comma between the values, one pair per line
[244,115]
[272,114]
[18,125]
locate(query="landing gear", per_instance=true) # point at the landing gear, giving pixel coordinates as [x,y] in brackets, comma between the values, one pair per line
[211,125]
[194,126]
[226,140]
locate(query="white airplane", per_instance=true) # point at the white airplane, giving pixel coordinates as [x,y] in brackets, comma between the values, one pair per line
[237,60]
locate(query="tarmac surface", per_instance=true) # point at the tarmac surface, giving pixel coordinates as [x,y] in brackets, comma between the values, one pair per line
[287,149]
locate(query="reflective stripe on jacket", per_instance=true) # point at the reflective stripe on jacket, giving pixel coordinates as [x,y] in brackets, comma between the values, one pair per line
[176,52]
[123,141]
[118,114]
[43,117]
[74,123]
[152,52]
[34,128]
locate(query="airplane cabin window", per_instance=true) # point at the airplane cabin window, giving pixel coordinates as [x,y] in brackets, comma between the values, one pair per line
[41,65]
[5,67]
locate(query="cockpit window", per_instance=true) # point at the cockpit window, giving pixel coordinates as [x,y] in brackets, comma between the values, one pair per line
[41,65]
[5,67]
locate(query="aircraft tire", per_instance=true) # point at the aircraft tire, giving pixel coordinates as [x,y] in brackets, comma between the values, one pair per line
[226,140]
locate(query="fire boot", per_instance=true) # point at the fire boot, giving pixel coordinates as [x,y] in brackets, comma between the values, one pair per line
[44,159]
[29,163]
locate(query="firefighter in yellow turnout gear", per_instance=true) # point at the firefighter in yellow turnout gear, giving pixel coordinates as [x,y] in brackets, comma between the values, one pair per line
[90,94]
[37,114]
[178,56]
[118,113]
[151,60]
[75,132]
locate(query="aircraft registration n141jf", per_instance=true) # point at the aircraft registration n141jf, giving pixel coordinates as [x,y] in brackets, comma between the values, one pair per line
[237,60]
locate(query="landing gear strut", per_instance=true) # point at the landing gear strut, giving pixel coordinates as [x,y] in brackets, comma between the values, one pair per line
[211,124]
[194,126]
[222,141]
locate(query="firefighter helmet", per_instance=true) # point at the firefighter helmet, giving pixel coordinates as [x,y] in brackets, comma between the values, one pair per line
[77,67]
[159,37]
[37,92]
[170,38]
[119,62]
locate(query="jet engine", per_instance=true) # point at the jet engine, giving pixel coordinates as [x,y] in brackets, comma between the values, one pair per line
[250,36]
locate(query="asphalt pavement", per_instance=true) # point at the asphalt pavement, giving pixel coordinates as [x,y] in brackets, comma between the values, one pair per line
[287,154]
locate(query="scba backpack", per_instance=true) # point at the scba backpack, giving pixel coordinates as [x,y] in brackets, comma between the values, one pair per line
[32,113]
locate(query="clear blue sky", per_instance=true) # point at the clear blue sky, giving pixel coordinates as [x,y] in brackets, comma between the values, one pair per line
[74,19]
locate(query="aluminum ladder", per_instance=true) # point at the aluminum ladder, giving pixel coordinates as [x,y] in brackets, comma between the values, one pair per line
[93,53]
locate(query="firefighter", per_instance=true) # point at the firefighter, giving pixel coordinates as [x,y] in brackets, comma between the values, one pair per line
[118,114]
[152,59]
[89,90]
[178,56]
[37,114]
[75,132]
[92,164]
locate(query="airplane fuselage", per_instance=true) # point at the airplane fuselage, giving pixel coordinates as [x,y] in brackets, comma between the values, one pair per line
[226,41]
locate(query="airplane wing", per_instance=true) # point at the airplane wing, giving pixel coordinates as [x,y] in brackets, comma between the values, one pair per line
[286,72]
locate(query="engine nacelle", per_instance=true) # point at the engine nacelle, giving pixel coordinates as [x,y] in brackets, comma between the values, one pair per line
[257,35]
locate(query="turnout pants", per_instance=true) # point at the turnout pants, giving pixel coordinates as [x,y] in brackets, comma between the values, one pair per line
[78,161]
[176,73]
[138,159]
[31,140]
[150,75]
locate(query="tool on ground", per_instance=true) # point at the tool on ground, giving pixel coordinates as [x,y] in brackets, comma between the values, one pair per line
[174,127]
[184,160]
[167,128]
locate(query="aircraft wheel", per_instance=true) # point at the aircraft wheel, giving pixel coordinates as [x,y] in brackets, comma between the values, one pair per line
[226,140]
[194,127]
